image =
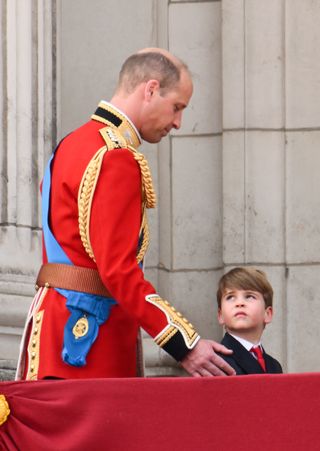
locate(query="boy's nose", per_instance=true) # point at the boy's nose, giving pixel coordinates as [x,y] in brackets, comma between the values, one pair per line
[239,301]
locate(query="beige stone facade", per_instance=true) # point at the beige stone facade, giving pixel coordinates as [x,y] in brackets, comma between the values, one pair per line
[237,184]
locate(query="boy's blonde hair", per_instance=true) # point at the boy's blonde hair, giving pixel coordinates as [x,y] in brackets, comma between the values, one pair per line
[246,279]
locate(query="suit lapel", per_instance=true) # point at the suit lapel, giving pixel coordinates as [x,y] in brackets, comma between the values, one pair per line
[242,357]
[270,365]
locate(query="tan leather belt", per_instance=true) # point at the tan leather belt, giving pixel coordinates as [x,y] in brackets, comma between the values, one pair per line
[69,277]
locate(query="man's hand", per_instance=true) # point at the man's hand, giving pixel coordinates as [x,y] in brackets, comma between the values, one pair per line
[203,361]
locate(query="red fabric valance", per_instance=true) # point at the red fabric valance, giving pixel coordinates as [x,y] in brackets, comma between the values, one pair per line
[164,414]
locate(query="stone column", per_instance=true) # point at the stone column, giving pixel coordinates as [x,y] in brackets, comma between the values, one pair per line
[254,146]
[190,176]
[27,93]
[302,86]
[271,123]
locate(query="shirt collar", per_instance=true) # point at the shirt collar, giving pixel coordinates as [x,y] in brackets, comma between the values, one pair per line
[245,343]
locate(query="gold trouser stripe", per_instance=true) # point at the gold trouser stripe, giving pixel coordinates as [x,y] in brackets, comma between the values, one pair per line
[34,340]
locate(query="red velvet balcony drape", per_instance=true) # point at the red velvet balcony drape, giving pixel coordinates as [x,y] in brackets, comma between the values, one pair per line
[259,412]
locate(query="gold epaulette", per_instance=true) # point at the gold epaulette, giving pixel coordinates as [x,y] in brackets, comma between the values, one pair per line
[113,138]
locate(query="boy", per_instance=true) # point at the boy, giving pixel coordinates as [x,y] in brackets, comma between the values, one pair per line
[244,308]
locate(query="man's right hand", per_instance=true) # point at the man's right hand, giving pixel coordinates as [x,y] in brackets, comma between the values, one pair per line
[202,360]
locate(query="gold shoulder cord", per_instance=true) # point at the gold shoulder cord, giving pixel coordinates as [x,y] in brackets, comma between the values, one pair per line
[149,200]
[113,140]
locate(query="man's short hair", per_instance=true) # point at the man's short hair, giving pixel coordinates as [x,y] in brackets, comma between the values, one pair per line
[144,66]
[246,278]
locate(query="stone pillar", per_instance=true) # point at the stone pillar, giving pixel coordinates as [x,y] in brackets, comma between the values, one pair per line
[27,93]
[271,120]
[254,147]
[302,82]
[237,184]
[190,177]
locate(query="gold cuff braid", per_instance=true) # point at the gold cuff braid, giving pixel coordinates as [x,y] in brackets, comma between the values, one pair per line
[175,322]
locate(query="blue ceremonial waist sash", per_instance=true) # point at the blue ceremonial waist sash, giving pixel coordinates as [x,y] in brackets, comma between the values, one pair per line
[88,311]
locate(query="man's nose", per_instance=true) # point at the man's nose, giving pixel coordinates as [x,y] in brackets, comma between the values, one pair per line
[177,120]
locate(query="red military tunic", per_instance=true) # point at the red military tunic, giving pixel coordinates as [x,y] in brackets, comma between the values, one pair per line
[113,228]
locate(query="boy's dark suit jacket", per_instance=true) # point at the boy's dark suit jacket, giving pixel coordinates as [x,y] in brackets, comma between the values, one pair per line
[244,362]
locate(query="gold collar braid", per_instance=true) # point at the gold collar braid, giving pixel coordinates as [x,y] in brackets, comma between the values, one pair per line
[110,115]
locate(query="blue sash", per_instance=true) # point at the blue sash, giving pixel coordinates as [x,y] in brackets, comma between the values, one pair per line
[88,311]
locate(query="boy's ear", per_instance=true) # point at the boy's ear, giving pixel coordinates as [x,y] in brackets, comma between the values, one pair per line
[220,317]
[268,314]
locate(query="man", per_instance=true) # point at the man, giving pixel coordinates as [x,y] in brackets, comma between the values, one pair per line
[92,295]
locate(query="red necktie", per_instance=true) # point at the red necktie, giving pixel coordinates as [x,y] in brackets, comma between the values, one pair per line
[257,351]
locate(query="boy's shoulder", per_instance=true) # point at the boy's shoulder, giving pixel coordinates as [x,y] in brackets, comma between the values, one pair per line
[272,362]
[242,360]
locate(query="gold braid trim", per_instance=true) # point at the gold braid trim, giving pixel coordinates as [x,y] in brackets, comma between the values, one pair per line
[85,197]
[176,322]
[89,180]
[150,199]
[4,409]
[146,236]
[147,185]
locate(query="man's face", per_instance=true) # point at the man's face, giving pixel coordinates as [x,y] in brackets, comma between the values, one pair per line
[243,311]
[161,113]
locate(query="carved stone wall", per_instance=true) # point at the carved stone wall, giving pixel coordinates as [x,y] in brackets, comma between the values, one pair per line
[237,184]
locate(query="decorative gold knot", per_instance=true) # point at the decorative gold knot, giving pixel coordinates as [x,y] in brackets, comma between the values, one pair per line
[4,409]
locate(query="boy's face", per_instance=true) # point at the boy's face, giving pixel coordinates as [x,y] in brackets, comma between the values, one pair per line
[243,313]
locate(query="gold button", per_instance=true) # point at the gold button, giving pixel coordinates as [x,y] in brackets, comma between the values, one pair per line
[47,285]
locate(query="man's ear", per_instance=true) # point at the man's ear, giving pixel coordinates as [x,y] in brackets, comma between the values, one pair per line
[151,87]
[268,314]
[220,317]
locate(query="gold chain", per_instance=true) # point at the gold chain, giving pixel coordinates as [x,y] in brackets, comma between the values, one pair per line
[146,237]
[150,195]
[150,200]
